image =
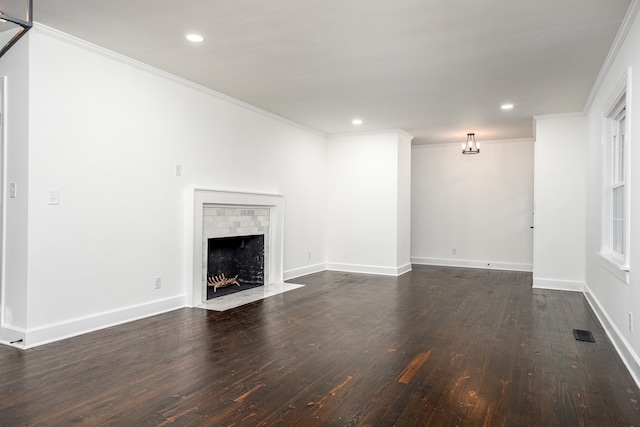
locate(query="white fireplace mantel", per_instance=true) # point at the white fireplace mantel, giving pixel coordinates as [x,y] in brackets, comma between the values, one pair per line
[274,202]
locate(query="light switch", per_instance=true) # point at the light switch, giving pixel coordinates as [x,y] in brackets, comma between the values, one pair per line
[13,190]
[54,196]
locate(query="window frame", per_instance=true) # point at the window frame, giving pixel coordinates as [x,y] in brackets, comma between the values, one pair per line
[616,218]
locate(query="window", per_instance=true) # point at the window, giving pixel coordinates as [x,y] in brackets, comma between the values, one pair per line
[617,185]
[616,214]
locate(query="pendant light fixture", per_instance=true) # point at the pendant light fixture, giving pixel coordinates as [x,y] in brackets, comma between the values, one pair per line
[15,20]
[471,147]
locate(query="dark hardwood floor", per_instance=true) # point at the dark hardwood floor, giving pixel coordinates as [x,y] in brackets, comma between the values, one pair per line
[435,347]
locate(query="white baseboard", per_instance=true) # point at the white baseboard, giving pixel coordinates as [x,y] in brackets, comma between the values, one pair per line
[11,335]
[59,331]
[630,359]
[369,269]
[558,285]
[404,269]
[489,265]
[303,271]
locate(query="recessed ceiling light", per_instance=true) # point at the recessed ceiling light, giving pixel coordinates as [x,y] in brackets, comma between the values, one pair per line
[195,38]
[506,106]
[356,121]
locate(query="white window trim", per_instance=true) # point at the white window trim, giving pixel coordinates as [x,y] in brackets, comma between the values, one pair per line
[614,262]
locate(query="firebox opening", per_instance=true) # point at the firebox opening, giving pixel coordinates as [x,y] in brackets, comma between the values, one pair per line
[228,257]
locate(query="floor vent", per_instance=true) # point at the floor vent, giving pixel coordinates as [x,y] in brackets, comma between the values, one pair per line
[583,335]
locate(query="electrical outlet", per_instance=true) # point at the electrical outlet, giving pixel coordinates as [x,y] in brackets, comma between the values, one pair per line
[309,255]
[158,282]
[453,251]
[53,196]
[178,170]
[630,321]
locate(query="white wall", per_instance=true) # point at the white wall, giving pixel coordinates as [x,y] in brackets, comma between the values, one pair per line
[404,200]
[15,66]
[364,230]
[612,298]
[107,132]
[480,205]
[560,193]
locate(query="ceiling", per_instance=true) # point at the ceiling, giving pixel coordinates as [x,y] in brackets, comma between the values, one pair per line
[435,68]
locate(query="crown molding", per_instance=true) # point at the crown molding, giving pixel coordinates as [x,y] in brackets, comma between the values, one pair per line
[625,27]
[397,131]
[483,142]
[83,44]
[558,116]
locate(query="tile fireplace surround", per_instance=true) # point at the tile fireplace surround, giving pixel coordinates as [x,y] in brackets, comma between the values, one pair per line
[225,214]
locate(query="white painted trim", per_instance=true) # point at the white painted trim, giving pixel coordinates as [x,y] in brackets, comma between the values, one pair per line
[483,142]
[616,95]
[10,334]
[610,111]
[626,25]
[630,359]
[349,268]
[303,271]
[3,198]
[83,44]
[402,269]
[82,325]
[617,270]
[419,146]
[465,263]
[395,131]
[558,116]
[558,285]
[369,269]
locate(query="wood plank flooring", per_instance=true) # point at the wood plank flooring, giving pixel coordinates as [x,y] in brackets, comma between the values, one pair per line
[435,347]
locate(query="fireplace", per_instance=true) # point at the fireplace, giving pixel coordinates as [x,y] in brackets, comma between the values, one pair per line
[222,214]
[234,264]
